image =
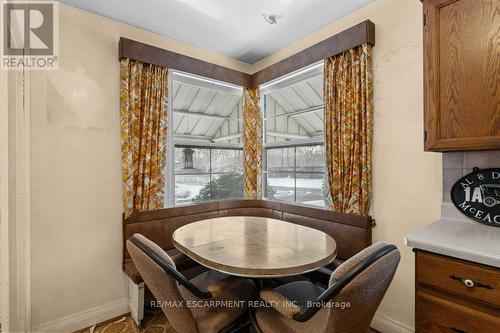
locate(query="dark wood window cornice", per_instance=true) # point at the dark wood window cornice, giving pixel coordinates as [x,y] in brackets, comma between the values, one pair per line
[154,55]
[359,34]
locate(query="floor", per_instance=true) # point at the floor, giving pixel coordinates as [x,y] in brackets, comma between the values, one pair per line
[154,322]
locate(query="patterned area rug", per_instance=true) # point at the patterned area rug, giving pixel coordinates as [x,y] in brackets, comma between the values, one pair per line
[154,322]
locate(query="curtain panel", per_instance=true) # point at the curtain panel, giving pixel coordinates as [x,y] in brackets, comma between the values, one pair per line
[143,121]
[348,111]
[252,144]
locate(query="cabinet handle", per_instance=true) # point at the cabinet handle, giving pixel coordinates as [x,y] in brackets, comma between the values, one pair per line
[456,330]
[471,283]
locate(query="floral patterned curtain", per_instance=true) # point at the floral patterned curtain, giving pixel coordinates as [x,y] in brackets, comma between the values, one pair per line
[252,144]
[348,100]
[143,120]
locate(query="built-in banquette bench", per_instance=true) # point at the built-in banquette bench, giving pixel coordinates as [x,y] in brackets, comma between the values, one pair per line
[351,232]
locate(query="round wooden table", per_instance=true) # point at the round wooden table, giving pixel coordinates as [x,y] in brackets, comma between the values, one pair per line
[255,247]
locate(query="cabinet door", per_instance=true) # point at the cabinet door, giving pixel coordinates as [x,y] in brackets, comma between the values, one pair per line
[462,74]
[440,315]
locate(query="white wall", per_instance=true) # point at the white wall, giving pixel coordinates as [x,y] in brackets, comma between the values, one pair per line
[75,161]
[406,180]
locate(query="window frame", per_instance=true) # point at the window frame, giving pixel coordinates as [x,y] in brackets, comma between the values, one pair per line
[172,141]
[289,79]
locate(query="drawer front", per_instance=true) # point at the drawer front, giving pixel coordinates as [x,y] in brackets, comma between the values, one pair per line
[472,281]
[437,315]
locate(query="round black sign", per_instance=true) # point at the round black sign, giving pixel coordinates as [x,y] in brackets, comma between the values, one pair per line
[477,196]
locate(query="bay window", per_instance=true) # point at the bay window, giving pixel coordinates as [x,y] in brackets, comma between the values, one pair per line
[206,131]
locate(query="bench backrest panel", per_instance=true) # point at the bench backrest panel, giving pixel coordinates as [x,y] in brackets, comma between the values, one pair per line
[352,233]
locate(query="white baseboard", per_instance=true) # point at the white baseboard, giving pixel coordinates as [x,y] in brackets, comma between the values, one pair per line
[85,318]
[386,325]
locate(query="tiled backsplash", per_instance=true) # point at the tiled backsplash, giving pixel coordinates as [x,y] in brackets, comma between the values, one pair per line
[456,165]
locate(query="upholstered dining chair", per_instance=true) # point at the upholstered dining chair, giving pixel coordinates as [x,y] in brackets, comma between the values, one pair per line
[355,291]
[211,302]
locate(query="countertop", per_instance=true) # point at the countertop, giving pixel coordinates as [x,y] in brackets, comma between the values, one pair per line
[462,239]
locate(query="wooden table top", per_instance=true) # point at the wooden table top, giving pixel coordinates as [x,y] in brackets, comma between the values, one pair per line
[255,246]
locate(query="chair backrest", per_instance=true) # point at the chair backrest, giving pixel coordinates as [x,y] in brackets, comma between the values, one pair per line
[163,286]
[364,293]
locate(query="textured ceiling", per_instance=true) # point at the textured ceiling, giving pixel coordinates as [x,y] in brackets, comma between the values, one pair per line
[235,28]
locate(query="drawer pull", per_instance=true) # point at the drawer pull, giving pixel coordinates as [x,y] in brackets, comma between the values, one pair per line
[470,283]
[456,330]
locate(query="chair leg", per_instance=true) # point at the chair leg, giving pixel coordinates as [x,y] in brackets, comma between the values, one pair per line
[259,283]
[136,301]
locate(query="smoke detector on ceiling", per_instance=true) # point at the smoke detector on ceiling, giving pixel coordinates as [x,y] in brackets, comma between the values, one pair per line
[271,18]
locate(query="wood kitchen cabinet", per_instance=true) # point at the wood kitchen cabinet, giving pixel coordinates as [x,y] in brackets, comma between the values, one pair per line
[462,74]
[455,296]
